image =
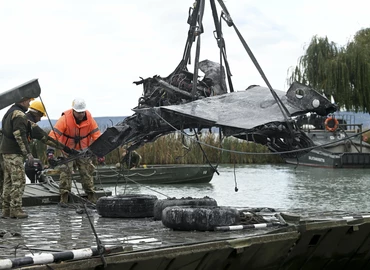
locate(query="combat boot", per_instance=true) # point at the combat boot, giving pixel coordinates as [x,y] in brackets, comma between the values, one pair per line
[63,200]
[18,213]
[91,197]
[5,212]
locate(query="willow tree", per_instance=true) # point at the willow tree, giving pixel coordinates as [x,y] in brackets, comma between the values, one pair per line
[338,71]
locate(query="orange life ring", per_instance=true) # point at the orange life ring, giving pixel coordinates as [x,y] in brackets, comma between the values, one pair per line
[331,124]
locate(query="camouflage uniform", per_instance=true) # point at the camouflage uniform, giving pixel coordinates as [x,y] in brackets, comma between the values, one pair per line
[1,171]
[38,136]
[14,181]
[131,159]
[1,177]
[78,134]
[14,149]
[17,131]
[33,143]
[86,170]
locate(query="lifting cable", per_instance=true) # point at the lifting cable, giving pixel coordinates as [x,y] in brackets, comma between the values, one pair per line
[196,29]
[192,21]
[197,52]
[193,31]
[226,16]
[100,247]
[221,44]
[214,168]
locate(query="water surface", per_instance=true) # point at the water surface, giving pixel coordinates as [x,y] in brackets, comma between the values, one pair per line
[276,186]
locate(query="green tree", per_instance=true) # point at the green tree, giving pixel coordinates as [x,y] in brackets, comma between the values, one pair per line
[338,71]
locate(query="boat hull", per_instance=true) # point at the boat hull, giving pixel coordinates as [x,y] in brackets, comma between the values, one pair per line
[327,159]
[340,149]
[47,193]
[151,174]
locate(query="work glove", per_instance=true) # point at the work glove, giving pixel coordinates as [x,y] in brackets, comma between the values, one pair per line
[57,161]
[101,160]
[50,154]
[70,151]
[30,160]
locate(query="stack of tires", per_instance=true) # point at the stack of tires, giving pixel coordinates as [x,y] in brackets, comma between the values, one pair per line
[160,205]
[188,214]
[200,218]
[185,214]
[126,206]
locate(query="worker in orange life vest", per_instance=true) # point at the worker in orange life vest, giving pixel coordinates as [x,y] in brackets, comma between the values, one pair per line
[77,129]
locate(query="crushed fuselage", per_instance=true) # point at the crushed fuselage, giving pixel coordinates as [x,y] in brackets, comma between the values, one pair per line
[172,104]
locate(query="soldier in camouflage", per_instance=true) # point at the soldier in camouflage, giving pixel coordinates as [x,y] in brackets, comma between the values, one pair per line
[1,171]
[17,130]
[35,112]
[1,178]
[130,159]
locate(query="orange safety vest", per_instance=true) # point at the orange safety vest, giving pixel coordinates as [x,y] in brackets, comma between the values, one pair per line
[75,136]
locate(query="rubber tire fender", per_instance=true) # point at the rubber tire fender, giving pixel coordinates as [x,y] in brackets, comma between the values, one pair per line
[189,218]
[126,206]
[159,205]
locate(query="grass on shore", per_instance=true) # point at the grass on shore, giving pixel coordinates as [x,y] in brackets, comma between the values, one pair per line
[175,149]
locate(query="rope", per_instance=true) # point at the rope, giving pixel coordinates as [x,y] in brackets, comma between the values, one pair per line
[257,153]
[205,155]
[236,184]
[100,247]
[133,181]
[267,153]
[120,174]
[226,16]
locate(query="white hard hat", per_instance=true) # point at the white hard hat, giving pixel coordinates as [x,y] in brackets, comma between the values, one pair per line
[79,105]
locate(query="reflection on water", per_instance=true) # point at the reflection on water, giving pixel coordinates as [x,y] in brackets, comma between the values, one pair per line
[283,187]
[331,189]
[277,186]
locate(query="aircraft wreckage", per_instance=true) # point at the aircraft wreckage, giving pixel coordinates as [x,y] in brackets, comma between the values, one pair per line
[253,114]
[184,101]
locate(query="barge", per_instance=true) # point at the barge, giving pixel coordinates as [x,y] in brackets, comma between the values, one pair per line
[306,241]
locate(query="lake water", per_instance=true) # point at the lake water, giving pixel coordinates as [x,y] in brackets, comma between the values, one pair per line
[300,190]
[276,186]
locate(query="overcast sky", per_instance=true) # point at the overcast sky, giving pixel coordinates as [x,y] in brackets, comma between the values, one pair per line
[96,49]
